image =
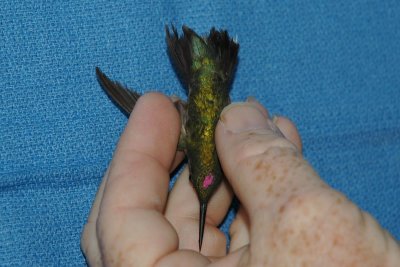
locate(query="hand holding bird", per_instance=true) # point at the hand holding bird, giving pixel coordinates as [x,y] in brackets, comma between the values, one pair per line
[288,215]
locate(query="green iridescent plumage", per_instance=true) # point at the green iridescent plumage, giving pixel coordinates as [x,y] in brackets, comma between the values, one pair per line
[206,66]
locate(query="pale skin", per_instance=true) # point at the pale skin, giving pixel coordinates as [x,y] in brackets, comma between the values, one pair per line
[288,215]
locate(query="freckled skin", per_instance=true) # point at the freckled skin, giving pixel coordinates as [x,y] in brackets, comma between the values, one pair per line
[302,221]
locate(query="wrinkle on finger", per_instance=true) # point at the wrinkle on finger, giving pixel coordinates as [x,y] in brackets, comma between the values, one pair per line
[153,128]
[143,184]
[137,237]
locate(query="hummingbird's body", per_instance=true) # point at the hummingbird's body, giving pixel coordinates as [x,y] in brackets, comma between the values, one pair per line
[206,66]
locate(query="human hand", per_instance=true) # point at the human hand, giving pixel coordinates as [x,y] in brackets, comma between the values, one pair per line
[288,216]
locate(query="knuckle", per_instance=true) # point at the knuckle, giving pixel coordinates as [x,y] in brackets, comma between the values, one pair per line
[257,143]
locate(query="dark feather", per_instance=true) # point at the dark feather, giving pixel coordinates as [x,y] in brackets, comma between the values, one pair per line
[179,49]
[219,46]
[124,97]
[225,49]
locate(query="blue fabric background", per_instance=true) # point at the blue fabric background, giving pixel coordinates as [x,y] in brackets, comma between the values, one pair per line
[331,66]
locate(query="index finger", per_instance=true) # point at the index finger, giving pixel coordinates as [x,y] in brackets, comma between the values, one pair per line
[131,217]
[145,152]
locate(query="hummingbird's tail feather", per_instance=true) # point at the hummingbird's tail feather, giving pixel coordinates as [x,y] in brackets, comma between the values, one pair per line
[124,97]
[179,49]
[202,222]
[191,53]
[225,50]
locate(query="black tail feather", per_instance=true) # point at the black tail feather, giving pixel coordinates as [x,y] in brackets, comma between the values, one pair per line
[220,47]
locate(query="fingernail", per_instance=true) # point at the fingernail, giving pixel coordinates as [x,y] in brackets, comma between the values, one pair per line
[243,116]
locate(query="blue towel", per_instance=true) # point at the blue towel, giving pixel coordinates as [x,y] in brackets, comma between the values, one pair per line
[331,66]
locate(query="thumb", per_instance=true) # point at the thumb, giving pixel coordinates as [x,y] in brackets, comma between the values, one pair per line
[254,154]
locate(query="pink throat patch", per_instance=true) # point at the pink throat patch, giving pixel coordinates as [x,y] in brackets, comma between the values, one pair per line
[208,180]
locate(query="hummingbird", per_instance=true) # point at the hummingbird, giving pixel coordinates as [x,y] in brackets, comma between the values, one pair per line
[206,66]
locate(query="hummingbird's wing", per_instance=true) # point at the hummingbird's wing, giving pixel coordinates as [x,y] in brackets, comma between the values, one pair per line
[181,106]
[126,100]
[124,97]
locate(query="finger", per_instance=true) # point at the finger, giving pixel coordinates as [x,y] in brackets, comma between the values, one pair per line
[285,125]
[183,212]
[146,148]
[89,241]
[153,124]
[239,257]
[267,173]
[239,230]
[254,154]
[182,258]
[179,156]
[130,220]
[256,104]
[289,130]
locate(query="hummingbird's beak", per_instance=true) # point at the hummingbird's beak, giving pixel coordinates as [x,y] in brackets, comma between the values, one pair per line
[203,212]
